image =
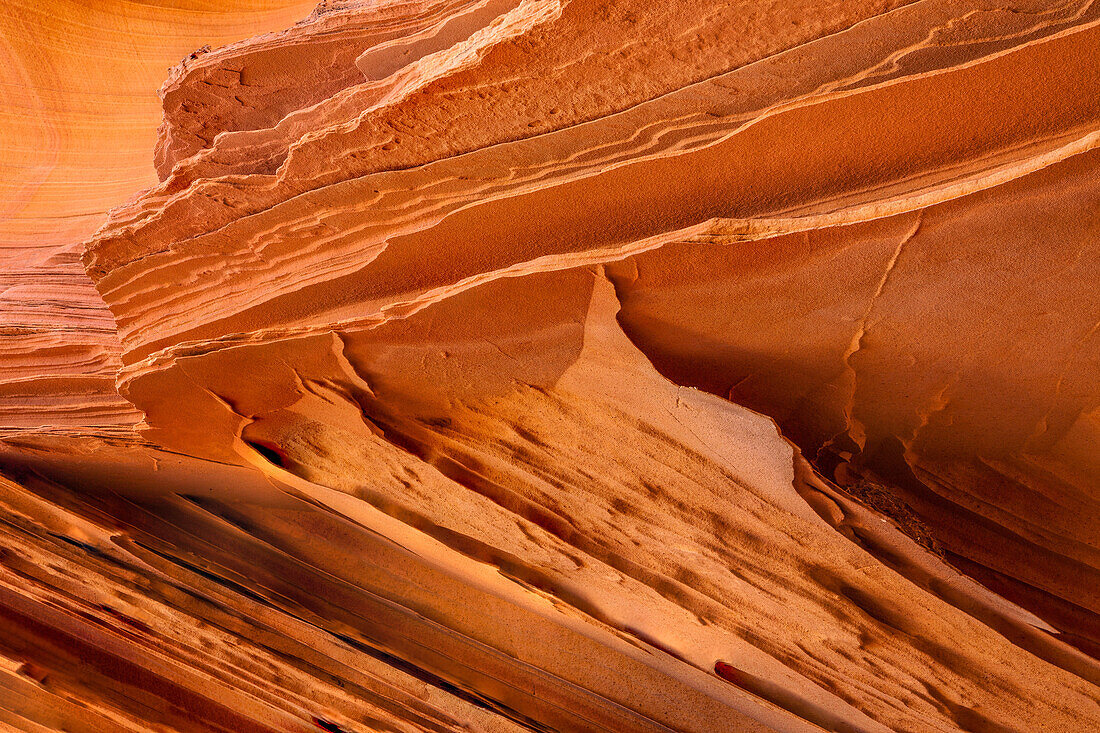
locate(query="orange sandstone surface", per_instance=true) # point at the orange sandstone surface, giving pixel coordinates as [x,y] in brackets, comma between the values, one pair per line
[550,365]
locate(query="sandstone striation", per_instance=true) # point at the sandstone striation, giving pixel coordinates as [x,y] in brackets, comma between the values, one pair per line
[555,365]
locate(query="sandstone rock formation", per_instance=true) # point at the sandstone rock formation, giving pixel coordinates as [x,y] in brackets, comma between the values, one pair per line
[556,365]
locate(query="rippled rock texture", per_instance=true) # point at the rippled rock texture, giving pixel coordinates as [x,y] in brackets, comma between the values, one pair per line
[554,365]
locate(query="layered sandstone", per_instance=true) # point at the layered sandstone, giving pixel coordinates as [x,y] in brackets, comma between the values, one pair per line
[568,365]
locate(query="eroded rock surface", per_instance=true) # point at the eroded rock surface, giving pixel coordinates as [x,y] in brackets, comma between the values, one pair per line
[567,365]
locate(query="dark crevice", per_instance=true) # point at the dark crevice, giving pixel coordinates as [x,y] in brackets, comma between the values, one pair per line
[271,453]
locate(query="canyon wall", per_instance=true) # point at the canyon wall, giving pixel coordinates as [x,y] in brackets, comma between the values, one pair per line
[554,365]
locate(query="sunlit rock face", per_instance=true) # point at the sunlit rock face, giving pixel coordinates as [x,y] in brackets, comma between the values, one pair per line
[78,119]
[550,365]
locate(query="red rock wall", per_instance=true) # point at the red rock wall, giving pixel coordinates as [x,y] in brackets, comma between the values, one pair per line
[560,366]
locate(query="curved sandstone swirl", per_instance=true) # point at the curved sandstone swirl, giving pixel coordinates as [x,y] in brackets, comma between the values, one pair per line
[563,366]
[78,117]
